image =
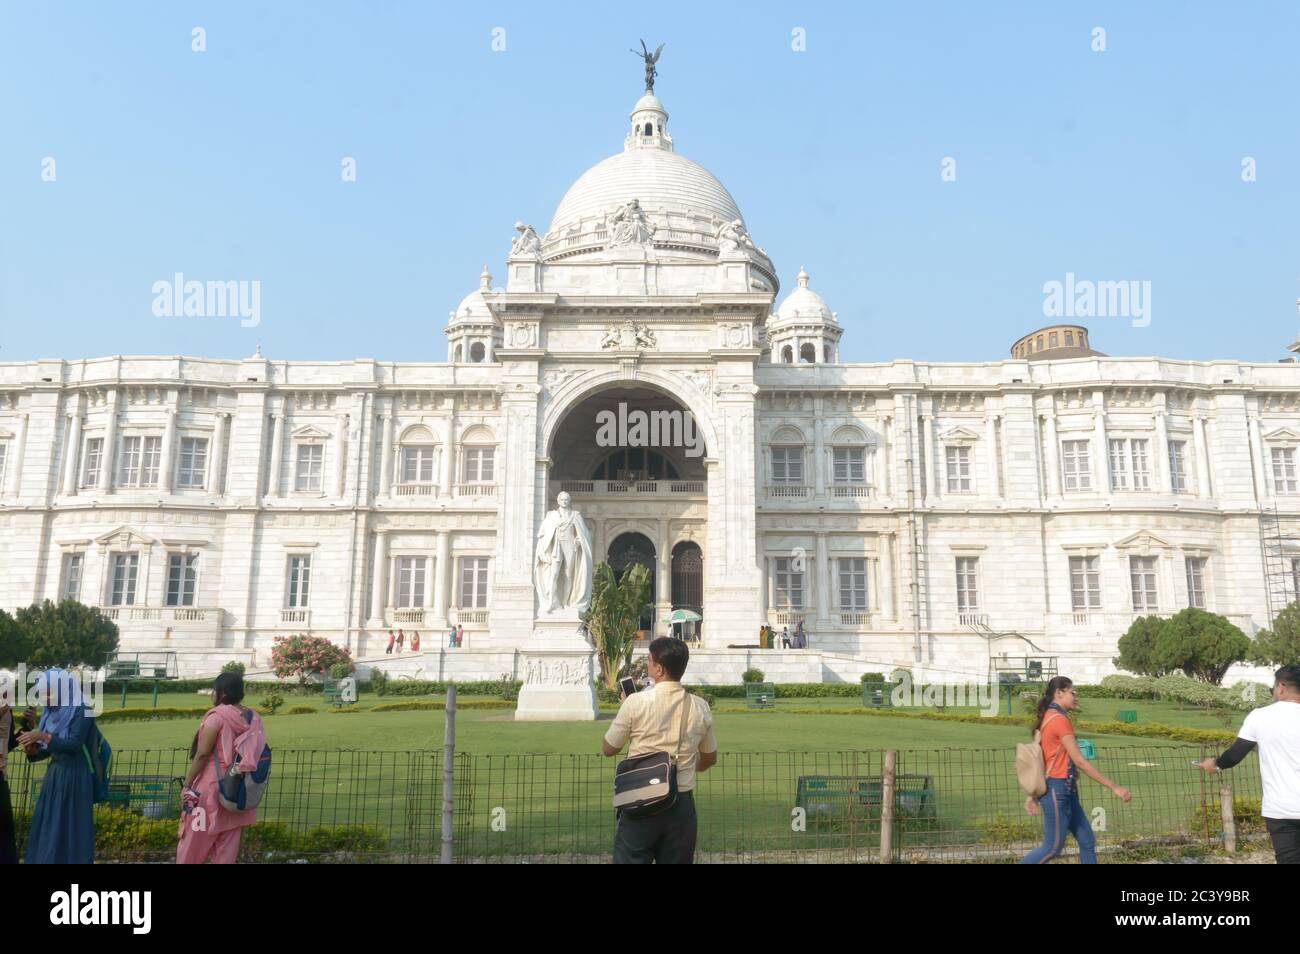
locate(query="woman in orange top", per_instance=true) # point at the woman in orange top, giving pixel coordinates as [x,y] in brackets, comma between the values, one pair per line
[1063,761]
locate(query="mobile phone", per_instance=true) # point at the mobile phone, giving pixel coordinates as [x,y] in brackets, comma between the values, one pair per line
[627,685]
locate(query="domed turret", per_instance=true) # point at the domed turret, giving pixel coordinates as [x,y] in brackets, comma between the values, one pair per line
[804,330]
[473,331]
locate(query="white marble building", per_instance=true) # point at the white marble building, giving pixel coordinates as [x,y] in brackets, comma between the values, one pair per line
[911,513]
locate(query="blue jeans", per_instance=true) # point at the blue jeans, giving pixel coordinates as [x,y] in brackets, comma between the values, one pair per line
[1062,813]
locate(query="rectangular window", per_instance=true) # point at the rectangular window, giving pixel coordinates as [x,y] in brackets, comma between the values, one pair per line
[1284,478]
[1178,482]
[182,574]
[787,465]
[299,582]
[72,564]
[91,461]
[410,583]
[473,582]
[1142,575]
[1129,469]
[139,464]
[1196,582]
[789,584]
[479,465]
[958,460]
[126,567]
[853,584]
[311,460]
[1085,583]
[192,468]
[1075,466]
[850,465]
[968,586]
[128,468]
[417,465]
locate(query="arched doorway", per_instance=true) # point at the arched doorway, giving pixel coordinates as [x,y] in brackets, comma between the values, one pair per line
[630,548]
[688,578]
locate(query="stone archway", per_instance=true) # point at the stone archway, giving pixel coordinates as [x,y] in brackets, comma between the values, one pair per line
[628,549]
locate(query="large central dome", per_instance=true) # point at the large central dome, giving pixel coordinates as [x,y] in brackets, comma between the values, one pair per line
[648,170]
[659,179]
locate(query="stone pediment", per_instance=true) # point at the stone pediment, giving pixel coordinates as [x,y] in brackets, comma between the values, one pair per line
[955,435]
[125,537]
[1282,434]
[309,432]
[1143,541]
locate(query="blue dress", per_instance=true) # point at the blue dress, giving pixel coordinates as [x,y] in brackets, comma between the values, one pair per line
[63,831]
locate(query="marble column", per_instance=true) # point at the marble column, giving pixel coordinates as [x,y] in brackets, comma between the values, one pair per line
[823,570]
[386,455]
[215,479]
[1201,450]
[277,454]
[1262,482]
[74,448]
[1161,479]
[885,543]
[340,454]
[1101,452]
[447,485]
[108,459]
[167,465]
[991,454]
[931,486]
[379,591]
[1053,453]
[442,546]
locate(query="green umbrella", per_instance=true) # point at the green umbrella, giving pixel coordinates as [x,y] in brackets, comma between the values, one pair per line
[684,616]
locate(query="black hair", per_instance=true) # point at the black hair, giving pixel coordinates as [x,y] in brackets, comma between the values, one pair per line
[228,689]
[1288,676]
[1054,685]
[672,654]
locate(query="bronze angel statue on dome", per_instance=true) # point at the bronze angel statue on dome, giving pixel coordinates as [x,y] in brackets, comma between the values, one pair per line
[650,60]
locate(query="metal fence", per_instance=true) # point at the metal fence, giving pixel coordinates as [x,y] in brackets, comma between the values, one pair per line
[947,805]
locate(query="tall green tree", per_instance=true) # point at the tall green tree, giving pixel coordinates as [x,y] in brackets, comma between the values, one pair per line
[616,608]
[1279,645]
[1203,645]
[13,642]
[65,634]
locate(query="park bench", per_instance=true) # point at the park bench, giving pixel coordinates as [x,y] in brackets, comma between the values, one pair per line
[153,796]
[124,669]
[877,695]
[760,695]
[839,798]
[1128,715]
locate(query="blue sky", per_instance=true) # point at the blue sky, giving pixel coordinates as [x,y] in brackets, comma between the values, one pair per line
[1115,165]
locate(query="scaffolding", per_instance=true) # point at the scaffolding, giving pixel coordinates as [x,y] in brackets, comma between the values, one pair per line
[1279,580]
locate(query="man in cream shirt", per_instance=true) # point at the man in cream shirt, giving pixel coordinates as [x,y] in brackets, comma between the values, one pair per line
[651,720]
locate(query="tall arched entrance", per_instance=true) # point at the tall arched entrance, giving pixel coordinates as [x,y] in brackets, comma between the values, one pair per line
[688,579]
[632,459]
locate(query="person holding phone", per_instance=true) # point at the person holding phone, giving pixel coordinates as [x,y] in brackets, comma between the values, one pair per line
[651,721]
[63,829]
[8,741]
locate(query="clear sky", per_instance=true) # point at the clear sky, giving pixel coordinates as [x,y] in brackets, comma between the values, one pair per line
[225,165]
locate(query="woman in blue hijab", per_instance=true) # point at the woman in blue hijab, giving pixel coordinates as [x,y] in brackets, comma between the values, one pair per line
[62,829]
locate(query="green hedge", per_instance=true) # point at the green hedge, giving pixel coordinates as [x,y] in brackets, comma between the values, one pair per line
[149,715]
[435,706]
[425,687]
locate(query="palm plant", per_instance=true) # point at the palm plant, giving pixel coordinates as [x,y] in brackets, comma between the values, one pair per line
[616,608]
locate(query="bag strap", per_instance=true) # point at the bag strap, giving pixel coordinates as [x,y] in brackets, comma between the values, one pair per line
[681,729]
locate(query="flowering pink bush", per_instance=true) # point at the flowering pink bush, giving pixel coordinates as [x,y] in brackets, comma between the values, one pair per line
[304,656]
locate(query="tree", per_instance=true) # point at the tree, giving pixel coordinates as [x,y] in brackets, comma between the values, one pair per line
[67,634]
[304,656]
[1203,645]
[616,608]
[1137,647]
[1280,645]
[13,642]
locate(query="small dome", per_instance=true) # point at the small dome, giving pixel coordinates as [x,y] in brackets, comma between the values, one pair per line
[804,304]
[649,101]
[473,309]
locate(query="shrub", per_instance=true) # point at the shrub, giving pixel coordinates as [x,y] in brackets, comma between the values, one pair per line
[752,675]
[708,697]
[379,682]
[1137,647]
[1280,644]
[272,701]
[606,695]
[341,670]
[900,675]
[1203,645]
[301,710]
[352,708]
[233,666]
[1004,830]
[148,715]
[872,677]
[304,656]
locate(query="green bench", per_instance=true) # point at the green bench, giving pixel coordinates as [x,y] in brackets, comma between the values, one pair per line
[1128,715]
[152,796]
[839,798]
[877,695]
[123,669]
[760,695]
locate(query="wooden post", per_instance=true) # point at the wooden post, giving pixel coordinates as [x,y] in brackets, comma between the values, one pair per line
[887,808]
[1229,821]
[448,774]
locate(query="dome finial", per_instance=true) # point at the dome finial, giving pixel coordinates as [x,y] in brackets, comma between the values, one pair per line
[802,277]
[485,279]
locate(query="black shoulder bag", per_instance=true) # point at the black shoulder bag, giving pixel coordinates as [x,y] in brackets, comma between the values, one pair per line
[646,785]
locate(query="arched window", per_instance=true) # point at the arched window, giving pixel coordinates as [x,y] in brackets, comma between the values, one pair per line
[478,456]
[848,458]
[787,457]
[808,353]
[1051,339]
[635,463]
[1069,339]
[826,354]
[626,550]
[417,453]
[456,355]
[787,355]
[688,577]
[649,129]
[477,352]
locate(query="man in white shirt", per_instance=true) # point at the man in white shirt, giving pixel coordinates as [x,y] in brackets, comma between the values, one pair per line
[1275,730]
[652,721]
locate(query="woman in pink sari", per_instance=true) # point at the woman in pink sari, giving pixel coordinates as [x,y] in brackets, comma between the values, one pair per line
[207,830]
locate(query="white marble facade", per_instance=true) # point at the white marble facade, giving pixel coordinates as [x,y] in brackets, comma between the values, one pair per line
[906,511]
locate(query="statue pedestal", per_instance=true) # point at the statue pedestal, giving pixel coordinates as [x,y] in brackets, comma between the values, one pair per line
[559,672]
